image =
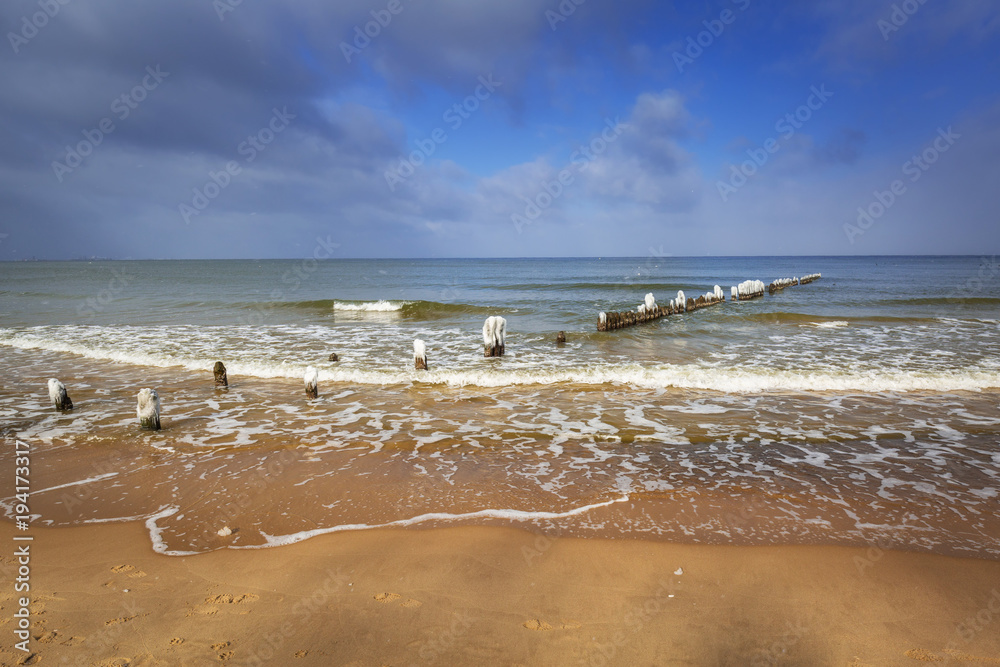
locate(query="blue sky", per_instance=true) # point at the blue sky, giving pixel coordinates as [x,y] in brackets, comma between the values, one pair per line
[672,129]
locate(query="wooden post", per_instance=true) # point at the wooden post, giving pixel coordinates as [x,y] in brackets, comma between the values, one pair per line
[148,409]
[312,382]
[58,396]
[419,355]
[221,378]
[494,336]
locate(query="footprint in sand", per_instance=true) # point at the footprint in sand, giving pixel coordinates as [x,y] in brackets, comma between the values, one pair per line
[536,624]
[230,599]
[176,641]
[73,641]
[226,656]
[47,637]
[386,598]
[301,654]
[953,654]
[220,646]
[207,611]
[120,619]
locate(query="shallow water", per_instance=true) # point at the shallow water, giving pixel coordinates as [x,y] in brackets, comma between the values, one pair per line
[862,408]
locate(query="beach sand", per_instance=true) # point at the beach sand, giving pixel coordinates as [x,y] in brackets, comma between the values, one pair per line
[495,595]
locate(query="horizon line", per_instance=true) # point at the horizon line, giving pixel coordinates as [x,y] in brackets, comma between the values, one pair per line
[492,258]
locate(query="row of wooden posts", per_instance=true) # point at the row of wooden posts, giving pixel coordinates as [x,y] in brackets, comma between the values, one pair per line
[649,310]
[494,341]
[148,401]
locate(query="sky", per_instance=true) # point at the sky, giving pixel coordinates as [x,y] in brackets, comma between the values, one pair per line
[414,128]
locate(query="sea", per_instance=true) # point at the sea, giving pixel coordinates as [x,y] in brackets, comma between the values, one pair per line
[861,409]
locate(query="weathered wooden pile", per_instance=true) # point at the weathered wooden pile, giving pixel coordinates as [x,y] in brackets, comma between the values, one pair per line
[649,311]
[781,283]
[748,289]
[707,299]
[494,340]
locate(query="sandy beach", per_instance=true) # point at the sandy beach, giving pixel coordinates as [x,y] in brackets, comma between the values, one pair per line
[499,596]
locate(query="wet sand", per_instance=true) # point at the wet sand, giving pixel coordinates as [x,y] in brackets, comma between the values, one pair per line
[492,595]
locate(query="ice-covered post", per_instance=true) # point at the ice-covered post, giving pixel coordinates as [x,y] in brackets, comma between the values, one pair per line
[312,382]
[148,409]
[419,355]
[494,336]
[221,378]
[488,336]
[58,396]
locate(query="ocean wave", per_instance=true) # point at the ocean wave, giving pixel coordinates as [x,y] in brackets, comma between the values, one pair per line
[380,306]
[948,300]
[697,375]
[413,310]
[783,317]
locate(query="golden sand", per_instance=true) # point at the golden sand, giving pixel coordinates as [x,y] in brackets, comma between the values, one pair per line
[496,596]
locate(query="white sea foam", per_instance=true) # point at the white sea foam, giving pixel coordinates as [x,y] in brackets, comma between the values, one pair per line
[504,514]
[78,483]
[380,306]
[836,324]
[276,353]
[155,532]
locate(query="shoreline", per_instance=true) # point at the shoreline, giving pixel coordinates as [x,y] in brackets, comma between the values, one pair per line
[495,595]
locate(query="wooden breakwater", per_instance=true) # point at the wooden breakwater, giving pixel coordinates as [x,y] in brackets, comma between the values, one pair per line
[748,289]
[648,311]
[782,283]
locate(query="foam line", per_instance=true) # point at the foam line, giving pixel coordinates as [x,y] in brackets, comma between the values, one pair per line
[159,546]
[79,483]
[508,514]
